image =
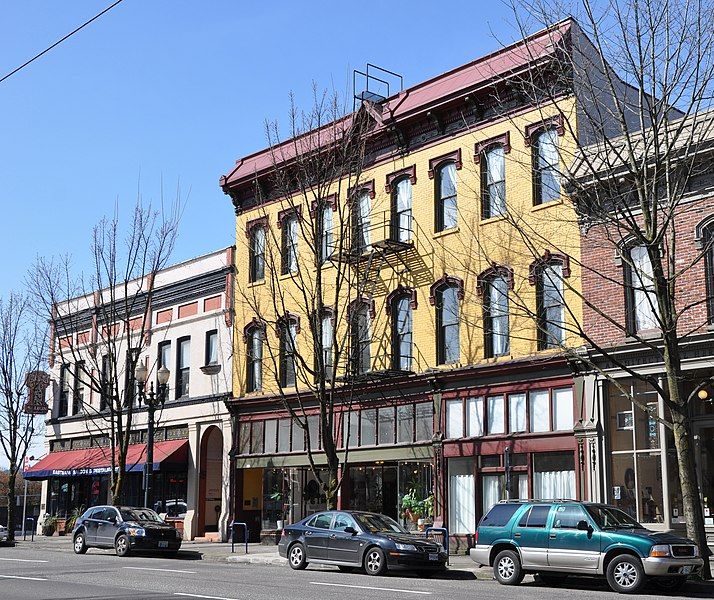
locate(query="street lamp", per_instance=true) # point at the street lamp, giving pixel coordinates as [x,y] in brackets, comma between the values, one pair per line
[152,401]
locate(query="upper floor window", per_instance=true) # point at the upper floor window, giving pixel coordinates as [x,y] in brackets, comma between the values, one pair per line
[360,338]
[361,222]
[254,352]
[401,310]
[639,282]
[447,324]
[546,177]
[327,234]
[256,268]
[130,362]
[183,366]
[493,182]
[495,314]
[212,347]
[288,341]
[63,391]
[402,210]
[105,393]
[446,200]
[78,392]
[290,244]
[705,241]
[327,332]
[550,301]
[163,357]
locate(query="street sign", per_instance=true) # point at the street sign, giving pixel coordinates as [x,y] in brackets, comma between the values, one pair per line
[36,383]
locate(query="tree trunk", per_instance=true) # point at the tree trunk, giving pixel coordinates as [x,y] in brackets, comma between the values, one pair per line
[118,487]
[11,504]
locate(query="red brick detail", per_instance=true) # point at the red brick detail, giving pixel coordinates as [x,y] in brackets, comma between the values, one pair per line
[454,157]
[164,316]
[213,303]
[188,310]
[83,337]
[136,323]
[65,342]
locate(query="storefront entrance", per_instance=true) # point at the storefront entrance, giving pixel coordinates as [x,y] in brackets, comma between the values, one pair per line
[704,438]
[210,480]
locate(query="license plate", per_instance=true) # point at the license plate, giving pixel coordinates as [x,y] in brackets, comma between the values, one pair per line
[685,570]
[163,544]
[433,557]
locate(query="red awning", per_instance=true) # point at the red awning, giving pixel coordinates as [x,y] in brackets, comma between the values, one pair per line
[97,461]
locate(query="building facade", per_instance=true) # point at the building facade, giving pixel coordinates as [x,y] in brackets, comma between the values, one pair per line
[458,386]
[187,328]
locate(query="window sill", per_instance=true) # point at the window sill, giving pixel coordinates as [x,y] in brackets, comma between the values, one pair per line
[256,283]
[445,232]
[286,276]
[648,334]
[496,219]
[543,206]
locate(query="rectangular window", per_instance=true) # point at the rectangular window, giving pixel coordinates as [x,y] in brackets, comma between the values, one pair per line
[385,417]
[402,211]
[257,254]
[313,426]
[290,244]
[130,362]
[462,494]
[402,334]
[551,309]
[287,354]
[643,307]
[78,392]
[546,177]
[474,408]
[554,475]
[350,424]
[284,435]
[183,366]
[106,383]
[327,354]
[446,209]
[496,415]
[254,380]
[540,410]
[212,347]
[494,182]
[405,423]
[496,317]
[454,419]
[447,318]
[361,223]
[424,421]
[256,440]
[327,234]
[517,413]
[244,438]
[298,438]
[563,409]
[361,338]
[163,355]
[368,427]
[271,436]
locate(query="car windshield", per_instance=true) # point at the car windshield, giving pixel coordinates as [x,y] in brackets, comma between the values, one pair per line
[140,514]
[380,523]
[609,517]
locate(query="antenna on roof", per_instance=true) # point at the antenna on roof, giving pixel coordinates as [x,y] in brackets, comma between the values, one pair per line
[373,88]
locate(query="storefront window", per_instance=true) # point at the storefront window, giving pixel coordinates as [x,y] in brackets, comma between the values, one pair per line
[405,423]
[622,478]
[271,434]
[516,413]
[284,435]
[554,475]
[424,421]
[386,425]
[649,484]
[462,496]
[368,427]
[276,494]
[495,415]
[676,504]
[170,494]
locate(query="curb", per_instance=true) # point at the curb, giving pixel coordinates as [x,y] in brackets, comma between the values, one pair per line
[256,559]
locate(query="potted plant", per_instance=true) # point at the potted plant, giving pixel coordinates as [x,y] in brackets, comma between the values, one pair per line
[49,525]
[414,507]
[72,519]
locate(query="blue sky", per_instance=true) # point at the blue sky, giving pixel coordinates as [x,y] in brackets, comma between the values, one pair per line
[176,91]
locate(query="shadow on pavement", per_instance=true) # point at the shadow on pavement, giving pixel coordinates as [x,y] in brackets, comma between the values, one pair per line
[693,589]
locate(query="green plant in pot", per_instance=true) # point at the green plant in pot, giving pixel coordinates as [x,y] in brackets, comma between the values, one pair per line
[415,507]
[49,524]
[72,519]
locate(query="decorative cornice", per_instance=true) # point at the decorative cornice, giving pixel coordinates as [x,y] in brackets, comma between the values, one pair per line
[367,186]
[542,261]
[362,300]
[288,212]
[495,270]
[252,224]
[330,201]
[503,140]
[454,157]
[554,122]
[255,323]
[288,318]
[446,281]
[399,292]
[409,172]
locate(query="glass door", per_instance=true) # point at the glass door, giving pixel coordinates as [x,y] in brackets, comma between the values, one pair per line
[704,436]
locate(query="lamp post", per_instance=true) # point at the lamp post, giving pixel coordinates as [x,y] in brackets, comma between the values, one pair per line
[153,401]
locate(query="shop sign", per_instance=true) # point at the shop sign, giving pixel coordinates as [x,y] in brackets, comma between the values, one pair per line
[36,382]
[81,472]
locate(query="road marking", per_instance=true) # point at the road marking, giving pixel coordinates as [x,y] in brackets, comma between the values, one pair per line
[24,560]
[163,570]
[200,596]
[26,578]
[367,587]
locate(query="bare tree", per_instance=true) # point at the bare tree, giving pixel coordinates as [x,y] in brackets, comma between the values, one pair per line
[308,267]
[22,351]
[101,322]
[637,142]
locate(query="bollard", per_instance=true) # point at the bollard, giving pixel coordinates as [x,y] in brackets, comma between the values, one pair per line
[234,524]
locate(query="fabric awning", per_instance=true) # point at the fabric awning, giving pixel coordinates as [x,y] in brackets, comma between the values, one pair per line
[97,461]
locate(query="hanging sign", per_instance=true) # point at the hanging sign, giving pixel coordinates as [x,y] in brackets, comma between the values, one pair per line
[36,383]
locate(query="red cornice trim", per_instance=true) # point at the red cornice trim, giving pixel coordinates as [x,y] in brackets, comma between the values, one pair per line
[445,281]
[330,201]
[255,323]
[501,140]
[286,212]
[399,292]
[547,257]
[367,186]
[405,172]
[494,270]
[454,156]
[289,317]
[250,225]
[352,306]
[555,122]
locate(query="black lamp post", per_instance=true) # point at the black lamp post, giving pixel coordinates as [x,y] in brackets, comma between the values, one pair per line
[152,401]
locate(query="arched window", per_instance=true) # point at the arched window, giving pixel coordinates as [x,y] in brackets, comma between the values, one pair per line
[400,304]
[704,240]
[642,309]
[447,324]
[360,218]
[254,337]
[546,162]
[326,347]
[256,267]
[288,328]
[446,200]
[495,285]
[493,182]
[402,210]
[360,337]
[550,303]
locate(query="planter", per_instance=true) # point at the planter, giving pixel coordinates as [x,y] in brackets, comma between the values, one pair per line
[48,530]
[413,517]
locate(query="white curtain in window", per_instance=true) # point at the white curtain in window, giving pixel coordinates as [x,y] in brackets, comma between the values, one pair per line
[498,307]
[517,412]
[327,344]
[327,233]
[474,406]
[492,490]
[550,485]
[540,410]
[462,493]
[448,195]
[563,409]
[404,210]
[454,419]
[292,236]
[495,415]
[645,308]
[554,304]
[364,220]
[495,180]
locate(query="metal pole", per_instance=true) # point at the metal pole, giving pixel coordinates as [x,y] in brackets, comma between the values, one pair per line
[24,511]
[148,496]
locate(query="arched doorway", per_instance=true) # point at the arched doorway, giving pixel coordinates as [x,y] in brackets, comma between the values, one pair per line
[210,489]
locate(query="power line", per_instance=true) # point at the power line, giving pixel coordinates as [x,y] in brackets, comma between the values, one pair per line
[58,42]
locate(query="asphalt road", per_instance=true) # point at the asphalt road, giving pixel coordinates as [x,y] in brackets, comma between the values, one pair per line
[31,574]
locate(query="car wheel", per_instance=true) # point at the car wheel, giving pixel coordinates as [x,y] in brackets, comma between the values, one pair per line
[552,578]
[375,562]
[625,574]
[507,568]
[297,557]
[669,584]
[80,546]
[122,545]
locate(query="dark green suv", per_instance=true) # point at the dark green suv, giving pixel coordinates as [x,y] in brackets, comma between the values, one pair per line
[557,538]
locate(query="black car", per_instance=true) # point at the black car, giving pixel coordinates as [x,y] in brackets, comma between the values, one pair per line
[350,539]
[125,529]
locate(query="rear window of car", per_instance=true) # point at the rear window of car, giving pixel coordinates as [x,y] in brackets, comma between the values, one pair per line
[499,515]
[321,522]
[535,516]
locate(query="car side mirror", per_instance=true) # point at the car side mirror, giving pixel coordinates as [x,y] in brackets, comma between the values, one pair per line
[351,530]
[583,525]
